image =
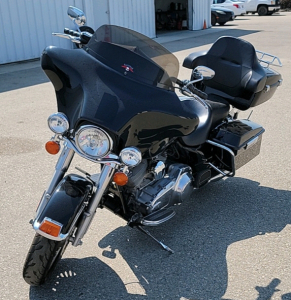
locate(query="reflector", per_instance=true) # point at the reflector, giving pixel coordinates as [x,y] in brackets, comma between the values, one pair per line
[50,228]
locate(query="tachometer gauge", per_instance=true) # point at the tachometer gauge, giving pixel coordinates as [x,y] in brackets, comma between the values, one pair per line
[93,141]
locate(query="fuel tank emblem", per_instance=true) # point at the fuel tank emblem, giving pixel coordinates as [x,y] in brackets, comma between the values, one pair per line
[127,68]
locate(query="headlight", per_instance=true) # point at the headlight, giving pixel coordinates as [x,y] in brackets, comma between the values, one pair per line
[58,123]
[93,141]
[130,156]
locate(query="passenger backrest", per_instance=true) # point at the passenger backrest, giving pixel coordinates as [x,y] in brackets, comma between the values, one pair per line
[238,73]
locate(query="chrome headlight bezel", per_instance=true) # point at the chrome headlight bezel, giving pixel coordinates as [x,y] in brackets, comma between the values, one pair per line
[97,131]
[63,123]
[130,156]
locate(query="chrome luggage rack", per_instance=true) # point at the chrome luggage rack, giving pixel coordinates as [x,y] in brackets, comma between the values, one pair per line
[266,59]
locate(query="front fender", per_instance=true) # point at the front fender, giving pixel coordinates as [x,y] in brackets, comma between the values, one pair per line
[64,206]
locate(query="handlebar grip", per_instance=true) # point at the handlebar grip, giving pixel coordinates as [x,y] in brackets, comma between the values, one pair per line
[179,82]
[72,32]
[197,92]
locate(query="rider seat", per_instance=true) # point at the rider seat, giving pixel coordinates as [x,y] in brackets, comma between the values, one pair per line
[210,113]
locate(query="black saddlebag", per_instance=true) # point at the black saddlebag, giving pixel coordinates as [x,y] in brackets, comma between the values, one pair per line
[240,141]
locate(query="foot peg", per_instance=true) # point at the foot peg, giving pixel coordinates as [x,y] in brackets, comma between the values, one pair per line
[158,217]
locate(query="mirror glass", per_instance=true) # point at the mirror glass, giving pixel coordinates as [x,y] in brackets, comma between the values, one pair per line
[77,15]
[206,72]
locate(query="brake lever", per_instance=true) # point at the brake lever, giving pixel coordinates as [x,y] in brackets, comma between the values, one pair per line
[73,39]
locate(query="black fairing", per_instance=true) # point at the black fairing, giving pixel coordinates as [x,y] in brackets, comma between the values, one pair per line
[134,112]
[66,200]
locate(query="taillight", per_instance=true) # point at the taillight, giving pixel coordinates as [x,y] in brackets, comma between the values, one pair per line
[236,5]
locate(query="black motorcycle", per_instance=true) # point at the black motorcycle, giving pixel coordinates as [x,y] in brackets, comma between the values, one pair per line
[118,108]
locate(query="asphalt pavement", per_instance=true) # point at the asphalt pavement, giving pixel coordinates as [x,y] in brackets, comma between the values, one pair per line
[232,239]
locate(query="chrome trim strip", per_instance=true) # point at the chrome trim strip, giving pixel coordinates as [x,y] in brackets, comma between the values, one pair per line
[252,142]
[112,158]
[156,223]
[61,236]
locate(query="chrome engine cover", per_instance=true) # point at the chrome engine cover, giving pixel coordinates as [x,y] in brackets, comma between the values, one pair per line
[167,191]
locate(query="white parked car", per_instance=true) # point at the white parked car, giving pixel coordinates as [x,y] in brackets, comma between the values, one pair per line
[262,7]
[236,6]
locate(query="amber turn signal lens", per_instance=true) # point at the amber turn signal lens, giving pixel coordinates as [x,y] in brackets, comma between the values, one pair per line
[50,228]
[120,178]
[52,147]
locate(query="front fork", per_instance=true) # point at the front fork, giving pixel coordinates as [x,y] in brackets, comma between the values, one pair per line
[104,180]
[87,217]
[61,168]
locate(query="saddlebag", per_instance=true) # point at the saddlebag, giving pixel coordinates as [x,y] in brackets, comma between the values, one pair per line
[243,139]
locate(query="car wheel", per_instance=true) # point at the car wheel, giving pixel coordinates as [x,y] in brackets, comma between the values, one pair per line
[213,20]
[221,23]
[262,10]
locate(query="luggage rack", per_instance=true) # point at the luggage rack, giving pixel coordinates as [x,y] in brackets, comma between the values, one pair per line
[266,59]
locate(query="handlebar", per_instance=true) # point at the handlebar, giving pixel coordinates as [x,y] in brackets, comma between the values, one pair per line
[72,32]
[75,36]
[188,85]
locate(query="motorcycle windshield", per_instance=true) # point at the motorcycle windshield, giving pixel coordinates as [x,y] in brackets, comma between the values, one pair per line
[134,55]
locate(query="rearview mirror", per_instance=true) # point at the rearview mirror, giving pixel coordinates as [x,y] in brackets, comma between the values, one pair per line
[205,72]
[77,15]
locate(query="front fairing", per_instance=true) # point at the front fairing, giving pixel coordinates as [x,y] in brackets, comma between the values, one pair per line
[134,107]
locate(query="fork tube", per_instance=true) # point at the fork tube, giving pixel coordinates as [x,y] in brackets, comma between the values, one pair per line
[61,168]
[104,180]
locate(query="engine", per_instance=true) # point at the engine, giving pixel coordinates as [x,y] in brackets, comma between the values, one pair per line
[163,189]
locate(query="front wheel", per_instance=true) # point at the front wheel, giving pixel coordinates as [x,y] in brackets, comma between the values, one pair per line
[41,259]
[262,10]
[221,23]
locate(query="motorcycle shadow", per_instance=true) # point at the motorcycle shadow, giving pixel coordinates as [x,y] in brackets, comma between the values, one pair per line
[205,226]
[87,278]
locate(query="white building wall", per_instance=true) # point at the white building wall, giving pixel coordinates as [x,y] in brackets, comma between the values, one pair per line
[138,15]
[201,14]
[26,25]
[97,12]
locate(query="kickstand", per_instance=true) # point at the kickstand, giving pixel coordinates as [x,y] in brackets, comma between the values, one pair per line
[159,242]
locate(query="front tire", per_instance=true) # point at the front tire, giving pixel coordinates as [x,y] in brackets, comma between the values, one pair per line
[262,10]
[41,259]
